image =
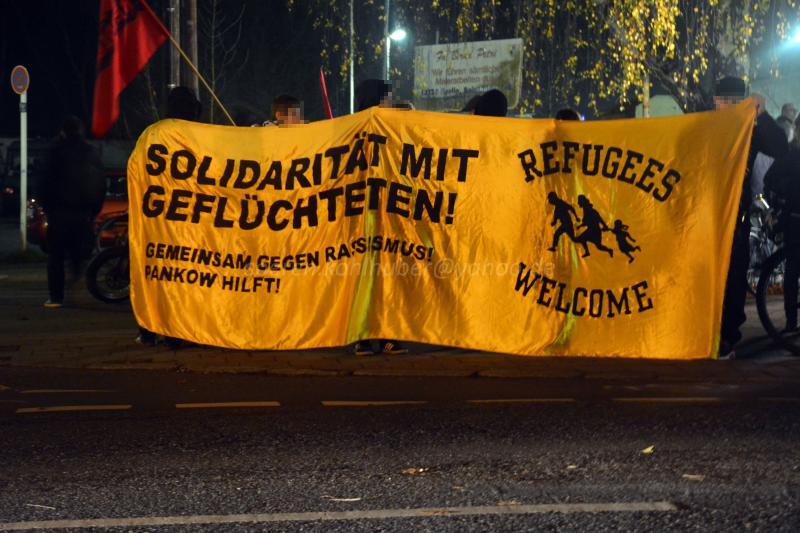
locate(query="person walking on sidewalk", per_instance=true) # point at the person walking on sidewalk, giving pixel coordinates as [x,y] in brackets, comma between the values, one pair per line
[73,192]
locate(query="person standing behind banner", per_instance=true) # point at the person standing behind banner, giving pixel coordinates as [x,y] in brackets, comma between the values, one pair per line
[287,111]
[770,139]
[73,192]
[181,104]
[372,93]
[492,103]
[782,183]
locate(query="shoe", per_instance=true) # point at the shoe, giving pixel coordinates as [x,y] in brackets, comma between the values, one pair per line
[790,329]
[363,348]
[726,352]
[50,304]
[393,348]
[146,340]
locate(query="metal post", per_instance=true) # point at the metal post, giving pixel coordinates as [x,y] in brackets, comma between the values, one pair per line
[191,44]
[386,36]
[646,97]
[23,167]
[174,10]
[352,63]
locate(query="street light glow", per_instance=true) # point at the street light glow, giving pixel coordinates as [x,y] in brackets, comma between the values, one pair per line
[398,34]
[796,38]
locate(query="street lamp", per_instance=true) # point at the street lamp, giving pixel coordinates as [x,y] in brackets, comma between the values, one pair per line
[397,35]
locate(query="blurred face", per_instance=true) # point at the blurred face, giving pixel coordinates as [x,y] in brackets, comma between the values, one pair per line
[292,117]
[790,112]
[724,102]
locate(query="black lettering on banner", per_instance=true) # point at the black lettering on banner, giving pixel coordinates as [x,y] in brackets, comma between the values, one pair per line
[570,149]
[615,304]
[424,204]
[354,198]
[330,196]
[272,216]
[227,173]
[247,166]
[297,171]
[396,199]
[464,156]
[175,166]
[608,164]
[357,157]
[670,179]
[157,163]
[272,177]
[528,160]
[575,310]
[548,156]
[153,207]
[645,303]
[219,219]
[308,211]
[202,177]
[335,154]
[410,158]
[648,173]
[595,167]
[377,141]
[629,165]
[375,185]
[176,203]
[203,203]
[544,291]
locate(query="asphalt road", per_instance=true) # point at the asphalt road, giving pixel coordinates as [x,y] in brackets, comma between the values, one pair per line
[325,454]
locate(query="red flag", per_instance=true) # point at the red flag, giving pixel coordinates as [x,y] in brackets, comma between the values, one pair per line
[129,34]
[325,101]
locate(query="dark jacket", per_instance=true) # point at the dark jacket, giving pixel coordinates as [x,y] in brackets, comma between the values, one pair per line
[769,139]
[782,185]
[74,181]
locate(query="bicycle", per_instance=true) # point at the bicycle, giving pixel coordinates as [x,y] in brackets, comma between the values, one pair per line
[770,302]
[762,244]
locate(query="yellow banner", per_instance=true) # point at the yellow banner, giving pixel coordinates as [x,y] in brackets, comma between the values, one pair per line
[533,237]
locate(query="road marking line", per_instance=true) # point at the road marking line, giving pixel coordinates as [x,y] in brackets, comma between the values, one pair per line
[63,391]
[526,400]
[213,405]
[667,399]
[563,508]
[66,408]
[368,403]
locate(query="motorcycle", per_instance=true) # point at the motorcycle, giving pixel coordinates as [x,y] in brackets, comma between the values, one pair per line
[108,272]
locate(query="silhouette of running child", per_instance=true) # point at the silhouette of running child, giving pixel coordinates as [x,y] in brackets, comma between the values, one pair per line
[621,232]
[595,226]
[562,214]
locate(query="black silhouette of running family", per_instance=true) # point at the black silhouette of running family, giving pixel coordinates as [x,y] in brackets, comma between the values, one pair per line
[564,212]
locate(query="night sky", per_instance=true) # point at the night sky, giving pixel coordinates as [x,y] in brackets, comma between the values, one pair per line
[277,51]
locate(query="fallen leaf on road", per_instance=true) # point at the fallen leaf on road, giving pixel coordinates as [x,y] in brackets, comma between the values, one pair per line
[694,477]
[40,506]
[508,502]
[331,498]
[572,467]
[649,449]
[414,471]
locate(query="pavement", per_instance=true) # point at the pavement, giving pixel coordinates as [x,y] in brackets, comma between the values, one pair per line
[88,334]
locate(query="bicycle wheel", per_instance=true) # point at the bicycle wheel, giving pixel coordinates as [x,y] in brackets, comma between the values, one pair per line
[769,302]
[108,275]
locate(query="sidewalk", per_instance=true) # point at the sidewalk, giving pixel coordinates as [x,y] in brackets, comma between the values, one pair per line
[92,335]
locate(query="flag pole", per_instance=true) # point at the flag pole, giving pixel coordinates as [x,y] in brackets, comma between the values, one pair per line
[189,62]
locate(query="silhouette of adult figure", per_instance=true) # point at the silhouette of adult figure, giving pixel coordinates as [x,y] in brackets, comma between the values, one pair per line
[595,226]
[562,215]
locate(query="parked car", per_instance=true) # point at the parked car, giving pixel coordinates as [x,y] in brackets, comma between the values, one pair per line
[9,182]
[106,226]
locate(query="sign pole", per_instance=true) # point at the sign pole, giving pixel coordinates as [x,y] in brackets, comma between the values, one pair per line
[20,81]
[23,166]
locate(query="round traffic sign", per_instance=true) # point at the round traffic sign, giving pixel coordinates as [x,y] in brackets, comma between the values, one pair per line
[20,79]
